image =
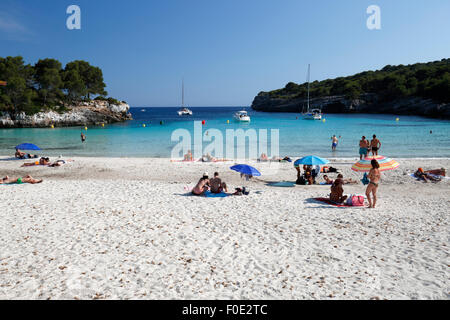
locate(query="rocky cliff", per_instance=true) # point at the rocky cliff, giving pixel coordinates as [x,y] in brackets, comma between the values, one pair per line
[86,113]
[367,103]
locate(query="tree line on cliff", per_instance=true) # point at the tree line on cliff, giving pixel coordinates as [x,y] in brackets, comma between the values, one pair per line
[45,85]
[427,80]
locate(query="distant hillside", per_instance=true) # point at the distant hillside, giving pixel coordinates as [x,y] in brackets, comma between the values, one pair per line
[421,89]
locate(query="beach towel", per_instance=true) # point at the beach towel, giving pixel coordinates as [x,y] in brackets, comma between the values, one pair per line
[285,184]
[433,175]
[328,201]
[209,194]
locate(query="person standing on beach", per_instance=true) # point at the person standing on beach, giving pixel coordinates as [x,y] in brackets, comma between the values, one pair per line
[375,145]
[83,138]
[334,142]
[374,180]
[363,147]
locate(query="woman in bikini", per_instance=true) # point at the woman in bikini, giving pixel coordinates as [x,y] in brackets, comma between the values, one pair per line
[202,185]
[374,177]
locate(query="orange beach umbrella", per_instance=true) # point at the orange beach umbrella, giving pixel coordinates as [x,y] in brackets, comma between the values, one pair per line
[385,164]
[3,83]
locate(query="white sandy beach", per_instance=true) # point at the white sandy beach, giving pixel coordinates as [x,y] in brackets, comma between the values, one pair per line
[127,229]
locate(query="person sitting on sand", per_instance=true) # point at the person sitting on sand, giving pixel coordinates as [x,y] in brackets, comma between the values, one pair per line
[19,154]
[337,191]
[308,175]
[217,185]
[202,185]
[263,157]
[188,156]
[426,175]
[208,158]
[44,161]
[26,179]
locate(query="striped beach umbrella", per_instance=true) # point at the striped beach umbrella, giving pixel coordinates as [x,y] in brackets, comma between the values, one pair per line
[3,83]
[385,164]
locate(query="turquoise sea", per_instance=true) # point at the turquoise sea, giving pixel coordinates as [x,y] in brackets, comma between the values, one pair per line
[408,137]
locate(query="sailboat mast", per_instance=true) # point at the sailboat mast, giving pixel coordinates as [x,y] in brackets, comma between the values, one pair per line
[182,94]
[309,70]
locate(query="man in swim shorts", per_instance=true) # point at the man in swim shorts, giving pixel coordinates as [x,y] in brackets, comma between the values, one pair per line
[334,142]
[217,185]
[363,147]
[375,145]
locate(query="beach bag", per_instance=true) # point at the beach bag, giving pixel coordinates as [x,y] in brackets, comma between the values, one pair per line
[355,200]
[301,181]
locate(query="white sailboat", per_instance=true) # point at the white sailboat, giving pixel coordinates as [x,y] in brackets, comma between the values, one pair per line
[184,111]
[313,114]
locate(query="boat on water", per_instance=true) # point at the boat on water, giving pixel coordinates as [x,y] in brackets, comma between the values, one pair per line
[242,116]
[184,111]
[315,113]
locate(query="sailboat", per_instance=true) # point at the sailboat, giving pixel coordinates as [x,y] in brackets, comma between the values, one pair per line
[313,114]
[184,111]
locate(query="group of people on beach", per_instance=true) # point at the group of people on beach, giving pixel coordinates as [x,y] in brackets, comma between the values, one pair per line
[214,185]
[366,146]
[374,177]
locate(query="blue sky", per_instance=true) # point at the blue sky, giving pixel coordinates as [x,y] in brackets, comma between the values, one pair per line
[228,50]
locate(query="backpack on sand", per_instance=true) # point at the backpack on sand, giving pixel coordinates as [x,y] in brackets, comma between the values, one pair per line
[355,200]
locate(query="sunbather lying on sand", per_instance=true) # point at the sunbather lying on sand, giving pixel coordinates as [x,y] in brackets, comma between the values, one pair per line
[427,175]
[26,179]
[207,158]
[45,162]
[42,162]
[346,181]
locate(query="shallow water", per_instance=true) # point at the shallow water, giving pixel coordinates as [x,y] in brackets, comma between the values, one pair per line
[408,137]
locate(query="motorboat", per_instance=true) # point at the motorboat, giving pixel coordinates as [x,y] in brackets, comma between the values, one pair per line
[242,116]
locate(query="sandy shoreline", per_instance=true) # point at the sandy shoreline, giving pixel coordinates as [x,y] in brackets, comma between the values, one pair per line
[124,228]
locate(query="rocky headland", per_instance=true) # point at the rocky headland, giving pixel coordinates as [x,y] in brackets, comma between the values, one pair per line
[366,103]
[85,113]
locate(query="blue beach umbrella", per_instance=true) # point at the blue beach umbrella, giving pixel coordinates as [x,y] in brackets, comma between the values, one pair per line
[246,169]
[27,146]
[311,161]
